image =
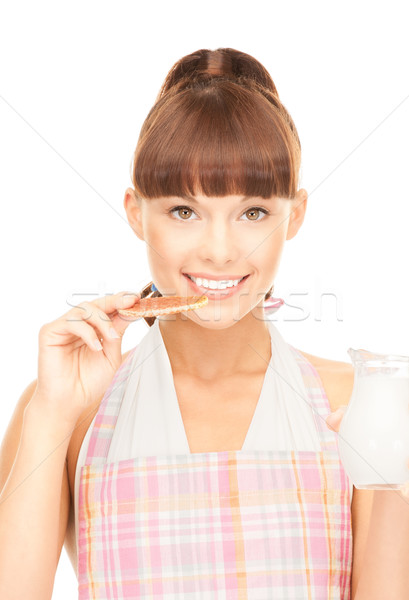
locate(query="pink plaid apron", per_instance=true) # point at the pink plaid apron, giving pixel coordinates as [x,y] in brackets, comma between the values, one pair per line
[215,525]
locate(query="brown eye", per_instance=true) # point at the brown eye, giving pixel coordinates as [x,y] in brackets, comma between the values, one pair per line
[255,212]
[183,210]
[176,211]
[251,211]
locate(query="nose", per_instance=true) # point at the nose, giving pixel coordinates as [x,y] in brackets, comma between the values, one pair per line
[219,244]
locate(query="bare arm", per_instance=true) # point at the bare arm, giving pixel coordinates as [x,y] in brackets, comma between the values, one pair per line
[385,566]
[361,510]
[34,502]
[73,373]
[380,522]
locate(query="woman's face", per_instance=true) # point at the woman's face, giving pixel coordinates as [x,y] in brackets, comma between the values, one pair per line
[216,239]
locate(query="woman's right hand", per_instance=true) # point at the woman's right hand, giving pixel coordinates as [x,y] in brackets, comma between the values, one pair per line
[72,373]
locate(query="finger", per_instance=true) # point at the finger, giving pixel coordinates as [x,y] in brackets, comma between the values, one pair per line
[333,422]
[96,318]
[101,314]
[79,329]
[121,323]
[404,489]
[109,304]
[118,322]
[334,419]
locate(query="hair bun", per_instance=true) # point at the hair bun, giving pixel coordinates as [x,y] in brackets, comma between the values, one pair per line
[206,65]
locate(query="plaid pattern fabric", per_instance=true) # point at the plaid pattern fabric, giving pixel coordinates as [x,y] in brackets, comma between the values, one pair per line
[215,525]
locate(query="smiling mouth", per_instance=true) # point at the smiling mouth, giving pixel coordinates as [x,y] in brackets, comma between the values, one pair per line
[217,290]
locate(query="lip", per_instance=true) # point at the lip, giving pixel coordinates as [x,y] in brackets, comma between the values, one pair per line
[216,294]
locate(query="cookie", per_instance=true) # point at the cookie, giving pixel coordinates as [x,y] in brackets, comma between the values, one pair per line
[163,305]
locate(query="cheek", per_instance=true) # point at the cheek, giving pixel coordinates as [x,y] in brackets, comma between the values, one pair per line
[159,239]
[267,257]
[268,244]
[164,249]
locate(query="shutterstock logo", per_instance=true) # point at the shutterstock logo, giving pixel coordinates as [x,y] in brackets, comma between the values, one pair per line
[319,302]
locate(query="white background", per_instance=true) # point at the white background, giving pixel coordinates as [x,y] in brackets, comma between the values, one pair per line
[77,80]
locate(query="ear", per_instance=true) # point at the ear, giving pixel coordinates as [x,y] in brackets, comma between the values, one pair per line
[297,214]
[133,209]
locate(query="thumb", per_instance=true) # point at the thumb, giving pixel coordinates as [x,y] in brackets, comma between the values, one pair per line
[120,322]
[334,419]
[404,489]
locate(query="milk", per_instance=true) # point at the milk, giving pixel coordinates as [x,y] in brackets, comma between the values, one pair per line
[374,434]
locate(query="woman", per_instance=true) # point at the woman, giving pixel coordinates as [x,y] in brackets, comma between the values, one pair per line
[199,464]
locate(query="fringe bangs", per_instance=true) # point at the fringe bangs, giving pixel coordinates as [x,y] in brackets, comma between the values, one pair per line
[216,140]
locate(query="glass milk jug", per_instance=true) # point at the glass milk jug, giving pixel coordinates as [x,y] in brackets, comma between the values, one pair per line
[374,433]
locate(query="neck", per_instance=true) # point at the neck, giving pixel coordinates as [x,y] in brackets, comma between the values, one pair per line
[209,354]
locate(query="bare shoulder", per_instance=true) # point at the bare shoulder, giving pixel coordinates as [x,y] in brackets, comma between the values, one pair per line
[337,378]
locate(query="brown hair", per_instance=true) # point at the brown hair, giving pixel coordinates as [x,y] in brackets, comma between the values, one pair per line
[217,128]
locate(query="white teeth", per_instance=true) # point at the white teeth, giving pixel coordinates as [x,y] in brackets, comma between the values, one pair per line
[212,284]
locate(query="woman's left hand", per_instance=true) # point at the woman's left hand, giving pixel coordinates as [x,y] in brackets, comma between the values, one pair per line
[333,422]
[334,419]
